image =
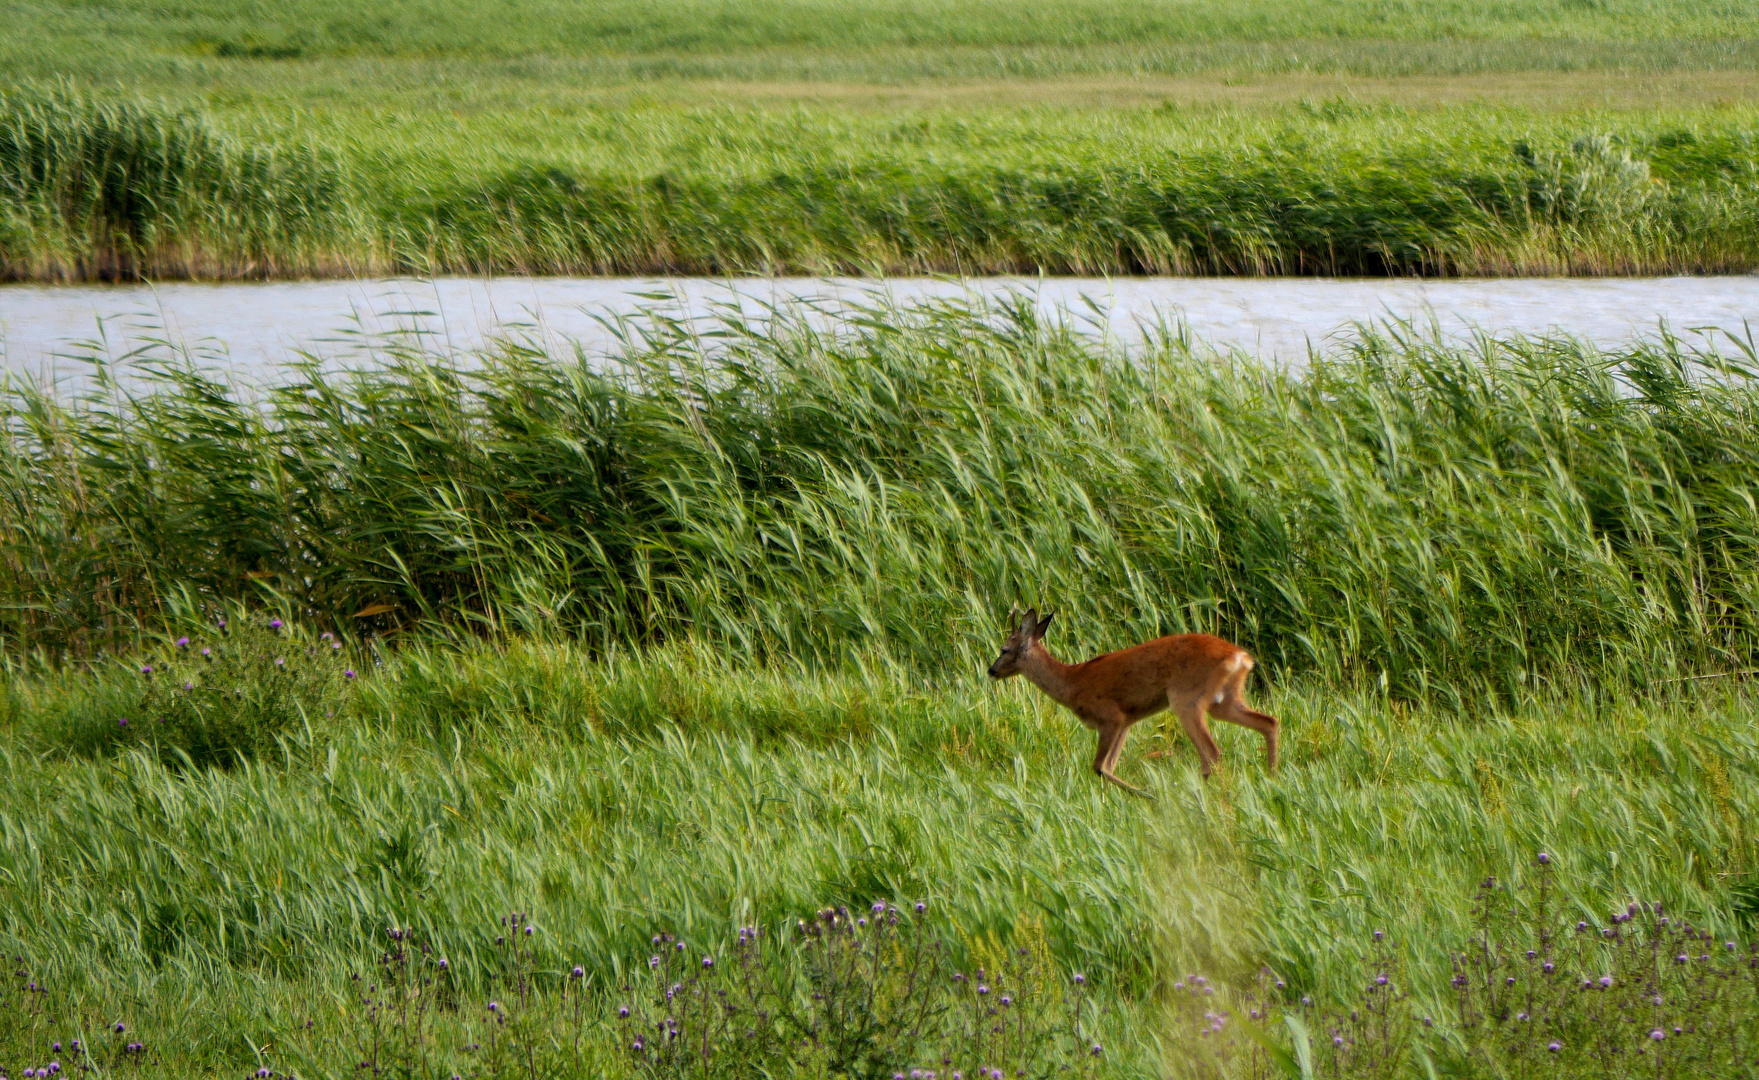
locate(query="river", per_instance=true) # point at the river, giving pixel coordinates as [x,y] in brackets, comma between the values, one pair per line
[255,328]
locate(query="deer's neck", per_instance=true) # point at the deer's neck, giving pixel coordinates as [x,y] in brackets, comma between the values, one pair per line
[1048,674]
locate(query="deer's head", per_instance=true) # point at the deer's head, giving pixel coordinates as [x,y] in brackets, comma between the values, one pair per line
[1028,631]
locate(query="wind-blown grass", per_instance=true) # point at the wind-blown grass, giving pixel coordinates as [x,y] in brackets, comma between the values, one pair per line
[881,483]
[690,638]
[218,910]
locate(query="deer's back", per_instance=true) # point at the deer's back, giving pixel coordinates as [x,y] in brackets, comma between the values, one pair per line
[1140,677]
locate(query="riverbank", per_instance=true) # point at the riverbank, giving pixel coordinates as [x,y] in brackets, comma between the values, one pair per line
[119,189]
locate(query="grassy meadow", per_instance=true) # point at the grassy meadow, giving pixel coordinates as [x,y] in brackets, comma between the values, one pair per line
[146,139]
[689,641]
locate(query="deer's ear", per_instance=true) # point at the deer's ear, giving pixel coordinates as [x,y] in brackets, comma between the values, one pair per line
[1028,620]
[1038,631]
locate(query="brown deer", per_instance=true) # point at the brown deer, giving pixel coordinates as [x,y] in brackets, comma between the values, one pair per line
[1192,674]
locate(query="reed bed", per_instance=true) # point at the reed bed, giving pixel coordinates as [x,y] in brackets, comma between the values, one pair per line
[872,482]
[106,186]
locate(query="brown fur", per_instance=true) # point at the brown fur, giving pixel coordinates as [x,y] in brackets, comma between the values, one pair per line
[1195,675]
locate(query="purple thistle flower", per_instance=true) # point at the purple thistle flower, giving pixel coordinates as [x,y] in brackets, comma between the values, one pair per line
[1379,934]
[708,961]
[494,1006]
[183,643]
[122,722]
[276,624]
[623,1012]
[55,1046]
[1658,1034]
[349,674]
[1554,1047]
[189,686]
[119,1028]
[1549,967]
[983,990]
[578,972]
[879,907]
[921,907]
[444,964]
[279,662]
[528,931]
[1079,979]
[1380,980]
[146,669]
[1605,981]
[653,961]
[1544,859]
[208,652]
[325,636]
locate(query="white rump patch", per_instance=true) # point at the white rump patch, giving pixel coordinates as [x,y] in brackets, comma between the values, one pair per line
[1218,697]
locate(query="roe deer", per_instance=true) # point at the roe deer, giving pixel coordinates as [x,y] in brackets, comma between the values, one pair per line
[1192,674]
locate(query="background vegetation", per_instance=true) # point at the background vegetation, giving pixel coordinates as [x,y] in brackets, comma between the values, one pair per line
[908,137]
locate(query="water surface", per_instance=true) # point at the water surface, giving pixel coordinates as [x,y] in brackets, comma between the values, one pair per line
[255,328]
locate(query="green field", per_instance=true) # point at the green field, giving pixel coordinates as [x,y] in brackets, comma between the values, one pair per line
[689,641]
[694,641]
[739,137]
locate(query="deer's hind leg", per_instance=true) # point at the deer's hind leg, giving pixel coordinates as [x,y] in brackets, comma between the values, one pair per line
[1190,713]
[1230,704]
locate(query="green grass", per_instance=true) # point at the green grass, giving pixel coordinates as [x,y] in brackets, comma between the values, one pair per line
[216,911]
[290,29]
[745,138]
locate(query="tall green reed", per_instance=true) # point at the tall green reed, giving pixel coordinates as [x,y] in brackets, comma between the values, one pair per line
[877,485]
[106,186]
